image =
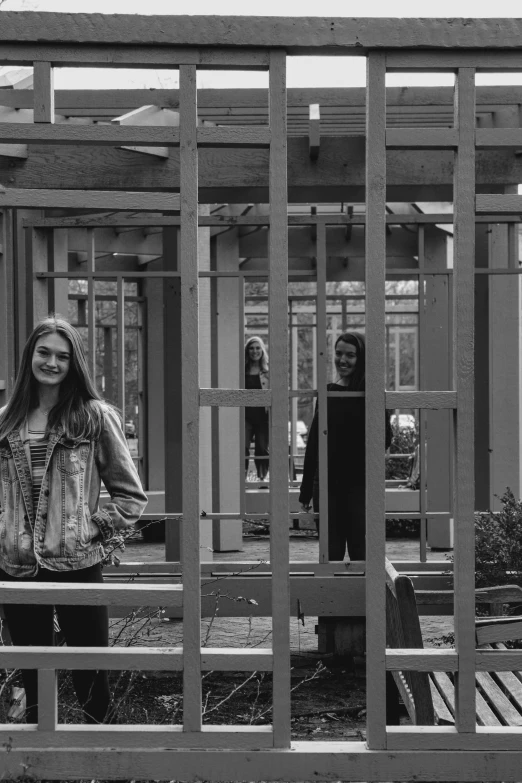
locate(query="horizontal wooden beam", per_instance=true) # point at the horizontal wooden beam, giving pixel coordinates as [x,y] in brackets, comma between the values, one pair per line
[421,138]
[328,760]
[403,98]
[296,35]
[241,175]
[501,204]
[133,658]
[136,734]
[96,595]
[486,60]
[235,398]
[424,400]
[38,198]
[422,660]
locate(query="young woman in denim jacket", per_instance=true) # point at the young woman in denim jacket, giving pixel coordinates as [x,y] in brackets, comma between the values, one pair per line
[58,441]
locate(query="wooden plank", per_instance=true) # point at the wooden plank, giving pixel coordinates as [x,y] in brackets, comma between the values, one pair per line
[43,92]
[405,60]
[120,344]
[99,134]
[500,659]
[36,198]
[149,115]
[234,398]
[134,56]
[39,262]
[442,714]
[498,137]
[322,402]
[47,700]
[431,400]
[463,347]
[504,204]
[91,303]
[499,629]
[429,659]
[142,735]
[375,242]
[494,697]
[278,338]
[297,35]
[190,398]
[421,138]
[99,595]
[398,99]
[447,739]
[234,136]
[512,686]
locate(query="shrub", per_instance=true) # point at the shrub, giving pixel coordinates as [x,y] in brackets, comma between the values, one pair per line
[498,544]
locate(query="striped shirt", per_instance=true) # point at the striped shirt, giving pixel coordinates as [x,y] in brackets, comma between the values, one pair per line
[38,450]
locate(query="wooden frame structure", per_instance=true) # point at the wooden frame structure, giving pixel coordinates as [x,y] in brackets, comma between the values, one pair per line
[466,752]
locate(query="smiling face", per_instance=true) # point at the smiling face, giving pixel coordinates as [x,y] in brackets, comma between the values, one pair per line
[51,359]
[345,360]
[255,351]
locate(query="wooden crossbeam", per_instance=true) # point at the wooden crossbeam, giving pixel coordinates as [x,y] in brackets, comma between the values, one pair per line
[80,199]
[314,130]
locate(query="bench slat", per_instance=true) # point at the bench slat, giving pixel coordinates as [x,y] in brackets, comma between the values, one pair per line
[442,714]
[501,704]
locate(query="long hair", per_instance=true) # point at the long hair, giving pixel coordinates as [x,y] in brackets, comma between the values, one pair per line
[79,410]
[357,379]
[263,362]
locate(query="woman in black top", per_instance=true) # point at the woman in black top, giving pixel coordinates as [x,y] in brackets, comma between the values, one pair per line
[346,454]
[256,419]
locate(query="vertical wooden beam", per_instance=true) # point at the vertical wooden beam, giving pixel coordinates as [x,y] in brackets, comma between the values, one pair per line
[108,360]
[322,401]
[375,269]
[7,314]
[482,372]
[120,343]
[241,349]
[190,397]
[47,700]
[40,263]
[43,92]
[206,347]
[422,414]
[278,333]
[463,348]
[91,304]
[171,399]
[59,287]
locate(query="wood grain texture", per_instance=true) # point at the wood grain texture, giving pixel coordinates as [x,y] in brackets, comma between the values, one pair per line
[43,92]
[235,398]
[322,378]
[422,660]
[120,343]
[99,595]
[432,400]
[37,198]
[494,204]
[47,700]
[350,761]
[499,137]
[190,398]
[278,338]
[39,263]
[110,135]
[450,60]
[134,55]
[463,352]
[421,138]
[234,137]
[375,240]
[139,735]
[304,33]
[91,302]
[446,738]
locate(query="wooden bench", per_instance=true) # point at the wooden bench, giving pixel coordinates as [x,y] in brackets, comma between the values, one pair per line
[429,697]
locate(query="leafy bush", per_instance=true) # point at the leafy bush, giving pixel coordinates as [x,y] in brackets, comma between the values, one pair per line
[498,544]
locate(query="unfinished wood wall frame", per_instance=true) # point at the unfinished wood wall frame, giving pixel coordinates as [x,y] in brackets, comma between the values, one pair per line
[266,753]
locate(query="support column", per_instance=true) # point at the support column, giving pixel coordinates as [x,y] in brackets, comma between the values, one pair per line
[155,290]
[435,364]
[227,533]
[482,461]
[205,414]
[7,332]
[504,367]
[58,262]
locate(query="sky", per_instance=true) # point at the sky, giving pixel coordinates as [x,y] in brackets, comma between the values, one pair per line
[302,71]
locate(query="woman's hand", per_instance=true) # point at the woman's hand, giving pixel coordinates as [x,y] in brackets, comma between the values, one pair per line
[306,507]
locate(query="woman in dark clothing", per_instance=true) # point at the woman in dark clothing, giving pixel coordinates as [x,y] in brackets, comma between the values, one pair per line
[256,419]
[346,454]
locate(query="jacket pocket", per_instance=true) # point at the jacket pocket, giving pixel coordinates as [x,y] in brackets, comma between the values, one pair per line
[72,459]
[89,530]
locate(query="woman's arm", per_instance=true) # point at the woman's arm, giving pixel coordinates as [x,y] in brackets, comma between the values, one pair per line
[114,462]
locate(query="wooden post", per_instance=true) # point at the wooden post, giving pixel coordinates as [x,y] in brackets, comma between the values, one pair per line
[59,287]
[7,318]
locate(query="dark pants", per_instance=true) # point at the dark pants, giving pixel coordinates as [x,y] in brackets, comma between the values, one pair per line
[82,626]
[346,522]
[257,428]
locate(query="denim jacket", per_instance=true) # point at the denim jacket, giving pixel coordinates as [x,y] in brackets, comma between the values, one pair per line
[67,529]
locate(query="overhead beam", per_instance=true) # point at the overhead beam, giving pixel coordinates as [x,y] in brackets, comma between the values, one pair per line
[239,176]
[297,35]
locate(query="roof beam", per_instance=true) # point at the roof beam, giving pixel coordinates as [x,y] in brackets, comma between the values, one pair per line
[149,115]
[300,35]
